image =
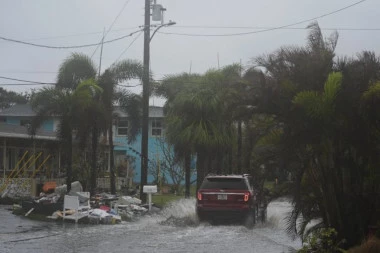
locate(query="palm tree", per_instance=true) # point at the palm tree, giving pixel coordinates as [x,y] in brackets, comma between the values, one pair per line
[194,119]
[203,109]
[169,88]
[92,117]
[68,106]
[78,67]
[325,135]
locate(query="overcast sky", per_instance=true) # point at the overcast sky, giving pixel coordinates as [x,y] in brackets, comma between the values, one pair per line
[77,22]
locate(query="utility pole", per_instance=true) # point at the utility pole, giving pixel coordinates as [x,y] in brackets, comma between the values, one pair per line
[145,101]
[101,54]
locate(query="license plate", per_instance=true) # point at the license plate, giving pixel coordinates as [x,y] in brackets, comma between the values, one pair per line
[222,196]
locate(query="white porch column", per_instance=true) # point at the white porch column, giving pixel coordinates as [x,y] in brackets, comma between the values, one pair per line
[4,156]
[59,161]
[109,161]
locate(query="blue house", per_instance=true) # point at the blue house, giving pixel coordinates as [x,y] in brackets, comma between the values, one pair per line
[15,141]
[131,152]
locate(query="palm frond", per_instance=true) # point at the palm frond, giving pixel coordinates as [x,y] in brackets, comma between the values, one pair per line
[127,70]
[132,104]
[332,87]
[74,69]
[373,93]
[272,138]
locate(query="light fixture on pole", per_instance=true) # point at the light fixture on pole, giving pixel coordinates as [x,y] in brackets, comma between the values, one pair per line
[160,26]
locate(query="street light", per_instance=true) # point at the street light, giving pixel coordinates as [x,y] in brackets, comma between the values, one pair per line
[145,98]
[158,27]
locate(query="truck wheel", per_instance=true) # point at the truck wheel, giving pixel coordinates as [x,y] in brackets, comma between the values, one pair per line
[249,221]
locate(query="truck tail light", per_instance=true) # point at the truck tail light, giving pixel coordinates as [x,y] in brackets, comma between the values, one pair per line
[199,196]
[246,196]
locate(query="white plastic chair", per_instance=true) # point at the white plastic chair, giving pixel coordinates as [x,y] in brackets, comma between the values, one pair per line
[71,203]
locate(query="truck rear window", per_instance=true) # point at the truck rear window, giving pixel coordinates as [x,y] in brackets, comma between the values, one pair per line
[224,183]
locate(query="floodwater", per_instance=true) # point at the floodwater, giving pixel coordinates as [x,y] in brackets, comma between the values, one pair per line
[174,229]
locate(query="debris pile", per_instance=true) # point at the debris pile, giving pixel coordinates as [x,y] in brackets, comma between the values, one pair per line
[129,208]
[101,208]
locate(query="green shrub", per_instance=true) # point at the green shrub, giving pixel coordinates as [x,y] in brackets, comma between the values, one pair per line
[322,241]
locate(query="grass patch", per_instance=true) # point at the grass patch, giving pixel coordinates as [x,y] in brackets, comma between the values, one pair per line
[163,199]
[269,185]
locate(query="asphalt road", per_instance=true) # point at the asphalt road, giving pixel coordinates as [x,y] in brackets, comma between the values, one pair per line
[173,230]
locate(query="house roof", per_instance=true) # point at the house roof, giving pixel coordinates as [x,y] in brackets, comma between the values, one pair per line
[15,131]
[154,112]
[25,110]
[20,110]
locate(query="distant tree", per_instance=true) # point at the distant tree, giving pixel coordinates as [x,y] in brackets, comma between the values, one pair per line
[9,98]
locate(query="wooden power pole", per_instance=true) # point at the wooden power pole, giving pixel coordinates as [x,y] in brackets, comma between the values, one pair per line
[145,101]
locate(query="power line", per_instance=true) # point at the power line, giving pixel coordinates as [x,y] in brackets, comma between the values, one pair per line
[27,72]
[22,80]
[23,84]
[80,34]
[38,83]
[129,86]
[208,27]
[114,21]
[286,28]
[68,47]
[125,50]
[270,29]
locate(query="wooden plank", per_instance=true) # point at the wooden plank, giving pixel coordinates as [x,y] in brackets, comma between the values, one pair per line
[31,210]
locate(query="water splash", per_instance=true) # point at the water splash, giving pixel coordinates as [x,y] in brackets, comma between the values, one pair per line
[180,213]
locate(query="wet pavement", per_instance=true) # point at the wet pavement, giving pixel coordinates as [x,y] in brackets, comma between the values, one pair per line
[174,229]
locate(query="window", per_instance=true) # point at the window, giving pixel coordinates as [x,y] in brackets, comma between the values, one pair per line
[156,127]
[224,183]
[122,126]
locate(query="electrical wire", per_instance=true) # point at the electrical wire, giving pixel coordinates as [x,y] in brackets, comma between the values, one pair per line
[27,72]
[22,80]
[208,27]
[266,30]
[125,50]
[129,86]
[80,34]
[286,28]
[68,47]
[114,21]
[23,84]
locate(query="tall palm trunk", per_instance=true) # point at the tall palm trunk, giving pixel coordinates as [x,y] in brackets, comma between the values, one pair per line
[187,175]
[201,160]
[239,147]
[94,158]
[112,165]
[69,170]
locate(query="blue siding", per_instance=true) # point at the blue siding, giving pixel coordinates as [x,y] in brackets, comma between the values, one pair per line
[13,120]
[134,150]
[48,125]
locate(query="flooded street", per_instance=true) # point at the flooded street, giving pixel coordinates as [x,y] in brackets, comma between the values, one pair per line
[173,230]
